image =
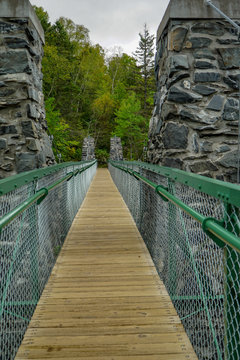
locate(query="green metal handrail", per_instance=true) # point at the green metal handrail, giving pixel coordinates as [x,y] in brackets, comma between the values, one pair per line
[15,182]
[211,226]
[40,194]
[226,192]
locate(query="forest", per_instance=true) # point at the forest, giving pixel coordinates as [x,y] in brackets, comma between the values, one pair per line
[90,91]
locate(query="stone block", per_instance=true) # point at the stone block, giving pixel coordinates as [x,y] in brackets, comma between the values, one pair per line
[177,38]
[216,103]
[202,166]
[207,76]
[176,78]
[168,111]
[178,62]
[206,146]
[29,129]
[173,163]
[9,129]
[180,96]
[16,42]
[229,41]
[46,147]
[17,78]
[32,111]
[223,149]
[231,110]
[197,43]
[175,136]
[209,28]
[26,162]
[33,144]
[7,91]
[33,94]
[233,81]
[204,64]
[7,167]
[8,28]
[13,62]
[230,58]
[3,144]
[204,90]
[229,160]
[204,54]
[195,143]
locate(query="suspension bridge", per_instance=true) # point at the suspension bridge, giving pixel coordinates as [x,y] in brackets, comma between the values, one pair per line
[152,273]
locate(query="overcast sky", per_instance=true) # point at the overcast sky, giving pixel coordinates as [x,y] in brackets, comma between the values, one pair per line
[111,22]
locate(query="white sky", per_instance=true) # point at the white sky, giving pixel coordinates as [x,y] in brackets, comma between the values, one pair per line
[111,22]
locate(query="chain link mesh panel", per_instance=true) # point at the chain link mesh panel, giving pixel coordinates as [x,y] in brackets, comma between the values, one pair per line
[202,279]
[29,247]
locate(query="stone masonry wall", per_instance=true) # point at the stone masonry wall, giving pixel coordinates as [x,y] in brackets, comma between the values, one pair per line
[116,151]
[88,149]
[195,120]
[24,143]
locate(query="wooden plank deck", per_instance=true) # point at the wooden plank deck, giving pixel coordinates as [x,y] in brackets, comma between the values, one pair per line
[104,299]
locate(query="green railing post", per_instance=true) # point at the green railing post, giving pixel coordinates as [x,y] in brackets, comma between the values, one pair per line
[232,290]
[172,272]
[34,264]
[34,254]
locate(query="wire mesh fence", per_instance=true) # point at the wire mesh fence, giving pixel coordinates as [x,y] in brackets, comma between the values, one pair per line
[202,278]
[29,246]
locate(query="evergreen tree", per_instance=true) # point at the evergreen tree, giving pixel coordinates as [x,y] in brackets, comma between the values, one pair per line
[145,59]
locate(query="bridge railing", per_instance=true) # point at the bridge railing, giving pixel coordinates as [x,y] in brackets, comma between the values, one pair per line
[191,226]
[36,209]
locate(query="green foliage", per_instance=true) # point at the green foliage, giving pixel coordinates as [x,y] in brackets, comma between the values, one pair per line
[102,157]
[87,93]
[59,129]
[130,126]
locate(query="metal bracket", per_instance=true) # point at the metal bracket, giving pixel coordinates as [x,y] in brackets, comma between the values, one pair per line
[72,174]
[135,174]
[43,197]
[158,188]
[220,243]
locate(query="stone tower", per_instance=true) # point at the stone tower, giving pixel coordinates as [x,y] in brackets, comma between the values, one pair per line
[116,150]
[195,120]
[24,143]
[88,149]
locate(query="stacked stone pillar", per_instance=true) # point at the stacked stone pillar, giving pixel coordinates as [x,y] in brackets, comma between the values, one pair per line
[116,151]
[88,149]
[195,120]
[24,143]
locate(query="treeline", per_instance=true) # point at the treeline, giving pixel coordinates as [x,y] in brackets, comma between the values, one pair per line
[88,92]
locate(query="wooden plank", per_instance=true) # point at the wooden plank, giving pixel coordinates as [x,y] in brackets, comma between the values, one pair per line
[113,357]
[104,299]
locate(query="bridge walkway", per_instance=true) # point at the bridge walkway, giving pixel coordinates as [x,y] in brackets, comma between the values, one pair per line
[104,299]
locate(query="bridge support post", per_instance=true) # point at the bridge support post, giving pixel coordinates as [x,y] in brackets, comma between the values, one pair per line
[88,149]
[24,143]
[194,126]
[116,151]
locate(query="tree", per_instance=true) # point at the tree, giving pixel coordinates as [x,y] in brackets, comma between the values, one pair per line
[103,120]
[59,129]
[130,126]
[145,59]
[90,93]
